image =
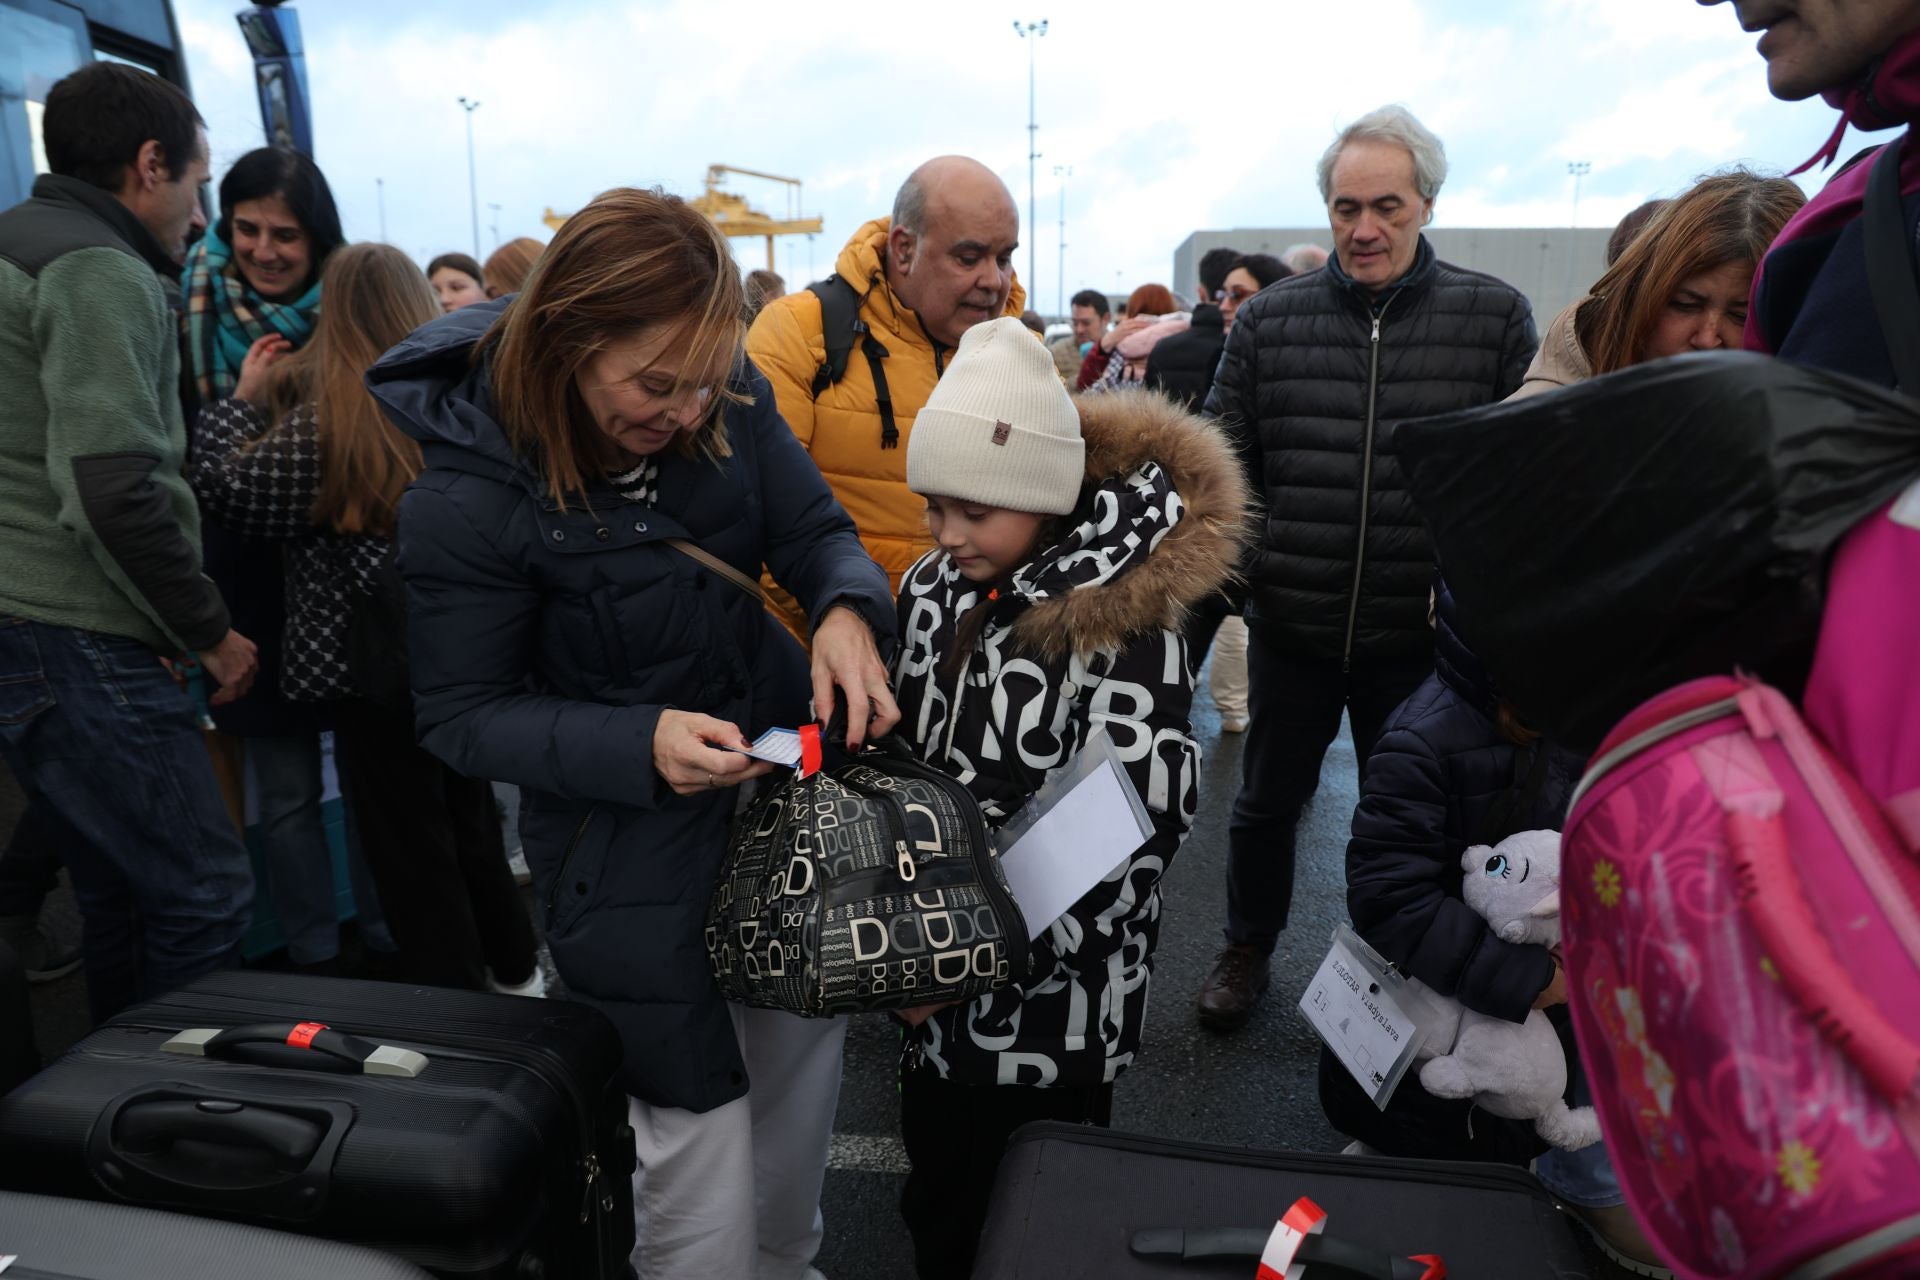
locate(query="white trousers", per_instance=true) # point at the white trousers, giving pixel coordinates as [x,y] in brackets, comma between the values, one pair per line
[1228,676]
[734,1193]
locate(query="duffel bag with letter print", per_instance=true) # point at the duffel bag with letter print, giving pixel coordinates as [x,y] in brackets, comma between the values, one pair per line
[869,886]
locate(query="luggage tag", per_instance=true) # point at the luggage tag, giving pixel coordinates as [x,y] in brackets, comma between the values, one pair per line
[1086,820]
[1369,1017]
[1906,510]
[789,748]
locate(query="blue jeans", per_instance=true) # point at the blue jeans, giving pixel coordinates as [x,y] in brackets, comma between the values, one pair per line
[96,730]
[293,838]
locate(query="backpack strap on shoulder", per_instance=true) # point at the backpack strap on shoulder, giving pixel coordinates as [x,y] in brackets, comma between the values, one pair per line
[841,327]
[839,322]
[1890,266]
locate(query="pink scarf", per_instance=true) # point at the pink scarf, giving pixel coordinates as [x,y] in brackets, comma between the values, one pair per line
[1886,97]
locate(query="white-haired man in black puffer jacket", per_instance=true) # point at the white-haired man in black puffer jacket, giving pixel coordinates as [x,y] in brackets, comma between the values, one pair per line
[1317,371]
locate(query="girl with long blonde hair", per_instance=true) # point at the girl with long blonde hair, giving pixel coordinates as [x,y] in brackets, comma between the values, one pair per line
[301,452]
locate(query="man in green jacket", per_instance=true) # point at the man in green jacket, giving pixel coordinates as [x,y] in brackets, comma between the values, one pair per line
[99,536]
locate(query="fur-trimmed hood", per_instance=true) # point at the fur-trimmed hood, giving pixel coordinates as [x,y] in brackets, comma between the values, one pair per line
[1159,529]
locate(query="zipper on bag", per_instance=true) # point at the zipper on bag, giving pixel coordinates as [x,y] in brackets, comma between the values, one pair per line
[992,882]
[986,875]
[1677,724]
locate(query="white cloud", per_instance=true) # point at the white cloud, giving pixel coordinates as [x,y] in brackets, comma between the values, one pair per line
[1172,120]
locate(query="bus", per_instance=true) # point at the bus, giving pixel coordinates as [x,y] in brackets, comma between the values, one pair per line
[43,40]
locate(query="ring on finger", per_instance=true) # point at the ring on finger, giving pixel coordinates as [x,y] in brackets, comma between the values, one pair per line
[711,784]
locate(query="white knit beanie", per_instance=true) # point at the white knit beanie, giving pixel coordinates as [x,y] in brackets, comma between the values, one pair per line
[999,429]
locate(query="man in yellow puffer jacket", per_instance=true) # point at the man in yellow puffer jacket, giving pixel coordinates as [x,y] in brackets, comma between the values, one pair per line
[940,265]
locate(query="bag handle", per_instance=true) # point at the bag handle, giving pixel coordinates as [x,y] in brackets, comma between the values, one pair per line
[698,554]
[330,1050]
[1323,1255]
[1770,890]
[1890,267]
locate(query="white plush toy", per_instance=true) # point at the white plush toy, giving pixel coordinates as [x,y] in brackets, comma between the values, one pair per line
[1512,1069]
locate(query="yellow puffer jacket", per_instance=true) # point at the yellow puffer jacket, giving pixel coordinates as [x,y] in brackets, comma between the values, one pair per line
[842,428]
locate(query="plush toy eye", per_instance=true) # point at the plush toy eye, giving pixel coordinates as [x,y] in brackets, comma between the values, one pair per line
[1498,865]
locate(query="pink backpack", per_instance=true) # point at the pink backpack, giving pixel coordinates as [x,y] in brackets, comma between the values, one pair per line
[1741,897]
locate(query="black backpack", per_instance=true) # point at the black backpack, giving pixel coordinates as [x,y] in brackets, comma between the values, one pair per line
[841,325]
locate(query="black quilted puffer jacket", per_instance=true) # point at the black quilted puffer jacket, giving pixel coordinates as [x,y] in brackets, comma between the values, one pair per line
[1316,374]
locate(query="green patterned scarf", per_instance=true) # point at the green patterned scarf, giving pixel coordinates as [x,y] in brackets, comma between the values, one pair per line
[225,316]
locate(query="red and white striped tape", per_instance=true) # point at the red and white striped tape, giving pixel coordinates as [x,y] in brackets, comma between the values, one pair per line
[1304,1219]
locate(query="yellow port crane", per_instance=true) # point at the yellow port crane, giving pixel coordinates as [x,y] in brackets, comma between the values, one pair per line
[735,217]
[732,214]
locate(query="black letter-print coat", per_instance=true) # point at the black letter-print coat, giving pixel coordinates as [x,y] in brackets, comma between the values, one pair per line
[1088,632]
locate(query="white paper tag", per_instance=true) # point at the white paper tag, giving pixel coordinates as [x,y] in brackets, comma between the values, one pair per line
[8,1259]
[1084,822]
[1366,1014]
[1906,510]
[776,746]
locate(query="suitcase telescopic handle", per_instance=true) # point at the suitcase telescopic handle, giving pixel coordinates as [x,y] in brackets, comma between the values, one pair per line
[331,1050]
[1775,900]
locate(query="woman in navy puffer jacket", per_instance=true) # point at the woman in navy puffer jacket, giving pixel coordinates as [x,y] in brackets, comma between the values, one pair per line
[1454,768]
[561,640]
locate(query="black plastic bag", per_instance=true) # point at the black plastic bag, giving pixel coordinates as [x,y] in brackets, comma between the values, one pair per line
[1666,522]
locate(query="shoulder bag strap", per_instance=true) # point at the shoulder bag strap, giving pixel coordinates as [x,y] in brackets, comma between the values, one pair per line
[706,558]
[1890,267]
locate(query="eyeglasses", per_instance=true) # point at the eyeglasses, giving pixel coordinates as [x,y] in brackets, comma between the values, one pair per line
[1238,294]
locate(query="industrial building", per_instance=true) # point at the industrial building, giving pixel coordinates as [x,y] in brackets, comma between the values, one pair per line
[1552,266]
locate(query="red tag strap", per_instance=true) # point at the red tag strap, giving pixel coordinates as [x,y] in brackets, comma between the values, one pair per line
[1304,1219]
[810,757]
[301,1037]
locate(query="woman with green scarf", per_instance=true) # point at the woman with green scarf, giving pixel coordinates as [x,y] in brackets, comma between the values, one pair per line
[257,272]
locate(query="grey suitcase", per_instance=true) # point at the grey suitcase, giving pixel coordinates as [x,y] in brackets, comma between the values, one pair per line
[53,1239]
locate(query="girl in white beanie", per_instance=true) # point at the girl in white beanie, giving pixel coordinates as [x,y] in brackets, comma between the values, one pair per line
[1072,538]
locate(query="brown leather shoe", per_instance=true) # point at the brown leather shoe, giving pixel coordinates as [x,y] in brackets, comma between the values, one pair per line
[1621,1239]
[1231,991]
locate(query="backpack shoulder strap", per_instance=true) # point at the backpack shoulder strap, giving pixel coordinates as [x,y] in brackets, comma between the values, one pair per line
[1890,267]
[839,325]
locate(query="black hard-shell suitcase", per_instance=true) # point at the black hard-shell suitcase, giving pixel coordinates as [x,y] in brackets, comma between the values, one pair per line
[1073,1201]
[477,1136]
[53,1239]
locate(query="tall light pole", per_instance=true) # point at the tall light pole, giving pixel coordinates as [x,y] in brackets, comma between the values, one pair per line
[1063,172]
[1579,169]
[1031,33]
[471,105]
[380,187]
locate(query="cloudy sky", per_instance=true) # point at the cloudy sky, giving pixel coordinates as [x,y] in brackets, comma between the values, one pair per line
[1173,117]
